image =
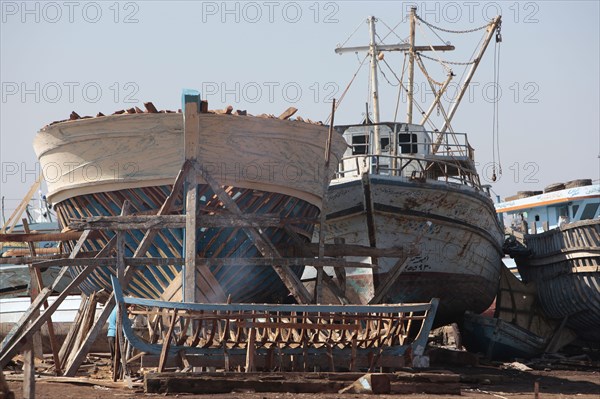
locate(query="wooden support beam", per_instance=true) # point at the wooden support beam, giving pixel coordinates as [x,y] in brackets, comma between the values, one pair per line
[266,248]
[318,294]
[121,243]
[213,262]
[191,137]
[250,349]
[141,250]
[28,370]
[12,220]
[24,260]
[167,344]
[340,273]
[12,346]
[38,237]
[397,269]
[144,222]
[36,280]
[120,341]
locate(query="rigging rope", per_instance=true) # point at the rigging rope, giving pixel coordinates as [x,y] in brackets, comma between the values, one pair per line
[352,34]
[337,104]
[392,30]
[450,30]
[449,62]
[400,88]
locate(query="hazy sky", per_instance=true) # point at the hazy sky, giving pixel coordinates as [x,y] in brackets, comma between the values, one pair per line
[58,57]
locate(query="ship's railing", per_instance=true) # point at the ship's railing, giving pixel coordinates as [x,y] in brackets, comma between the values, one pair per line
[449,145]
[417,166]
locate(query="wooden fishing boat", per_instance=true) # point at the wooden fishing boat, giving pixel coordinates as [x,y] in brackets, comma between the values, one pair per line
[400,184]
[267,166]
[555,241]
[280,336]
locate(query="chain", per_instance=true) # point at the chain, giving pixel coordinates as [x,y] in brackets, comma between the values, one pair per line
[449,30]
[448,62]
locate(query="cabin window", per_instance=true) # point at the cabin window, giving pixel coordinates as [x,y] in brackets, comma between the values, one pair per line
[575,208]
[360,145]
[589,211]
[407,143]
[537,218]
[385,144]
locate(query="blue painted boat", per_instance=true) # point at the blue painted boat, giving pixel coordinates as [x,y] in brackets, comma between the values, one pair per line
[555,241]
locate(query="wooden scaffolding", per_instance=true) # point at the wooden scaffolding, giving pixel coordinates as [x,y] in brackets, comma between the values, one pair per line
[198,282]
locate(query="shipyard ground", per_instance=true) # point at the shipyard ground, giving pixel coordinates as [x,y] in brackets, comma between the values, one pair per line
[486,382]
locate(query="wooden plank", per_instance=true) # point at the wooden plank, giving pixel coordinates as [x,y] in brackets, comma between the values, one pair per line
[189,273]
[23,260]
[10,350]
[72,334]
[241,262]
[318,294]
[288,113]
[250,348]
[143,222]
[12,220]
[150,108]
[38,237]
[120,266]
[28,371]
[167,344]
[191,137]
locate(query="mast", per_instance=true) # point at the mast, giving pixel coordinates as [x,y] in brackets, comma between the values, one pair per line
[411,65]
[491,30]
[376,150]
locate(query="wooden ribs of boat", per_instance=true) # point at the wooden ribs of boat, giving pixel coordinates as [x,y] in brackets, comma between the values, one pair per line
[565,265]
[267,336]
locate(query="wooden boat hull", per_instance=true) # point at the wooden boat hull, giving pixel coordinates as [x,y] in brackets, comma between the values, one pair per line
[498,339]
[459,252]
[266,165]
[244,283]
[565,266]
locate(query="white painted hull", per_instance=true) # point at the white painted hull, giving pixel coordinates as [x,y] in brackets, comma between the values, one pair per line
[127,151]
[459,254]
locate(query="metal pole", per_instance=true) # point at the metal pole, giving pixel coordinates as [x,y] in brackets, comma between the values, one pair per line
[411,65]
[376,150]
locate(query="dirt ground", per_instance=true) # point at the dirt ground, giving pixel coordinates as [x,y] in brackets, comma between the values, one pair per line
[553,384]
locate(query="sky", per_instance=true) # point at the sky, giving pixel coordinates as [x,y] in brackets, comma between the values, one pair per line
[265,56]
